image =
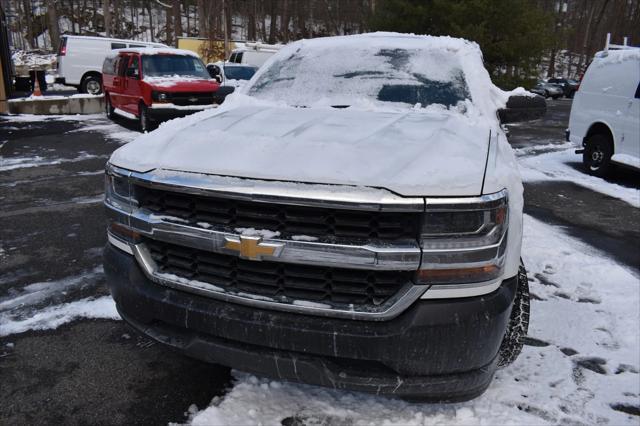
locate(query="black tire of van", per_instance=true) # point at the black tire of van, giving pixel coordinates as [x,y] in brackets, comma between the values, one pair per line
[145,122]
[513,340]
[107,106]
[597,154]
[91,84]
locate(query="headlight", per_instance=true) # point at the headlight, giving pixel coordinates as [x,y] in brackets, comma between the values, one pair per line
[464,240]
[118,189]
[120,202]
[159,96]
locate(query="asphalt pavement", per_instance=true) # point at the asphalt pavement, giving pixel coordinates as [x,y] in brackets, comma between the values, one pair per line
[52,229]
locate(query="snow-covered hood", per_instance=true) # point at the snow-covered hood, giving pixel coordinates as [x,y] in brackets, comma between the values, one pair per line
[412,153]
[182,84]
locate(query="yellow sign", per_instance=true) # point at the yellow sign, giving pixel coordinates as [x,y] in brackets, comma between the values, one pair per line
[253,248]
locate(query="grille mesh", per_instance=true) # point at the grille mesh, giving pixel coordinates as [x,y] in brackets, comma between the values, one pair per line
[322,223]
[280,281]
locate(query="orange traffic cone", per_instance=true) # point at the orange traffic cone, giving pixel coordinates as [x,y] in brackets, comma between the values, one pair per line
[36,88]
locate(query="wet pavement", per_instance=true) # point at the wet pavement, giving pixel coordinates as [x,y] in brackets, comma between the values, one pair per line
[52,229]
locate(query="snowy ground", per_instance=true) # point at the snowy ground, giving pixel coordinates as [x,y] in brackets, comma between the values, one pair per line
[580,364]
[580,367]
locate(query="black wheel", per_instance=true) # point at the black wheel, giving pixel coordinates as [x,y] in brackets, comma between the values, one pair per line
[597,155]
[146,124]
[107,106]
[91,84]
[546,94]
[556,96]
[513,340]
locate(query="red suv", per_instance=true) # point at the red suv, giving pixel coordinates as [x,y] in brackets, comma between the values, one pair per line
[150,85]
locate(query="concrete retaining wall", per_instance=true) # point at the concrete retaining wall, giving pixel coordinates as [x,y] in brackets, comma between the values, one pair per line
[52,105]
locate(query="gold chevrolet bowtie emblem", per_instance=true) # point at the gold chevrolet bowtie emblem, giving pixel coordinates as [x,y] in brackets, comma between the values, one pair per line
[252,248]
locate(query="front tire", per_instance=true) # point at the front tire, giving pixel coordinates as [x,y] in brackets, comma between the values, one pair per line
[145,122]
[597,155]
[107,106]
[518,326]
[91,84]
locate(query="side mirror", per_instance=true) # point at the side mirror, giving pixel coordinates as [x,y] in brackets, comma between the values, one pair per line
[132,73]
[215,72]
[523,108]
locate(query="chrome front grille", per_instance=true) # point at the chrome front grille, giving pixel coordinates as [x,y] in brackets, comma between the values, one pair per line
[325,224]
[191,98]
[278,281]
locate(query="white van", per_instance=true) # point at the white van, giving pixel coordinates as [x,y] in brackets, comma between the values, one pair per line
[254,54]
[80,60]
[605,115]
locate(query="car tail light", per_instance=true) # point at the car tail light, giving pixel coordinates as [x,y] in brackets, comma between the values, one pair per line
[63,47]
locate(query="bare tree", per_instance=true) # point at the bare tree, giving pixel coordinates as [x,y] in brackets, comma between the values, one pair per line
[53,24]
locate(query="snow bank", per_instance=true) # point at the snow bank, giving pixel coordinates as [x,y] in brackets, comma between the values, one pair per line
[54,316]
[583,363]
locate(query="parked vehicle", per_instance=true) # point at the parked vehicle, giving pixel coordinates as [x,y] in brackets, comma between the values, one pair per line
[569,86]
[151,85]
[254,54]
[548,90]
[80,60]
[605,114]
[230,76]
[332,228]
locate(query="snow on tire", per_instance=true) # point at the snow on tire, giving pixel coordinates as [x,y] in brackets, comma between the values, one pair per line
[518,326]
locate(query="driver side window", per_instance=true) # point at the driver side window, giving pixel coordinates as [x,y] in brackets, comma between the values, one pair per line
[133,70]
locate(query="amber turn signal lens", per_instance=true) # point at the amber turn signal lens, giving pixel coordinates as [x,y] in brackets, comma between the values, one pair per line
[123,232]
[458,275]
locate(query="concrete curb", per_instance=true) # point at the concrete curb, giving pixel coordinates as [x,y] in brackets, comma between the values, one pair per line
[57,105]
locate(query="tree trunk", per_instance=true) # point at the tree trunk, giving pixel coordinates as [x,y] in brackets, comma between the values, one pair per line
[168,29]
[54,26]
[106,10]
[177,20]
[28,19]
[273,25]
[202,19]
[251,25]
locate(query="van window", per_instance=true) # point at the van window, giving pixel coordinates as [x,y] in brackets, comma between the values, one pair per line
[122,64]
[118,45]
[109,66]
[232,58]
[134,66]
[137,45]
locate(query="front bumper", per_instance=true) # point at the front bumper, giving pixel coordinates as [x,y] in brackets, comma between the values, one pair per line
[441,350]
[166,111]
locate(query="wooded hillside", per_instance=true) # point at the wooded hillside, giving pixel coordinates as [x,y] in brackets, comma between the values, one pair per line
[552,37]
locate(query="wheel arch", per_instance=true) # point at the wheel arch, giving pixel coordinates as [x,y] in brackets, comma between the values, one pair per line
[91,73]
[601,128]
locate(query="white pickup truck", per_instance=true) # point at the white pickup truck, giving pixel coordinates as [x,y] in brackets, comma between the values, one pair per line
[352,218]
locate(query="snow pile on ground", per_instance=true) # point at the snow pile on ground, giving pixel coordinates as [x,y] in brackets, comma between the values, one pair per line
[54,316]
[579,367]
[49,304]
[562,163]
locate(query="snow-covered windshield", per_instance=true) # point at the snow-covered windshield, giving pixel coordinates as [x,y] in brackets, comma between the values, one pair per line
[172,65]
[343,74]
